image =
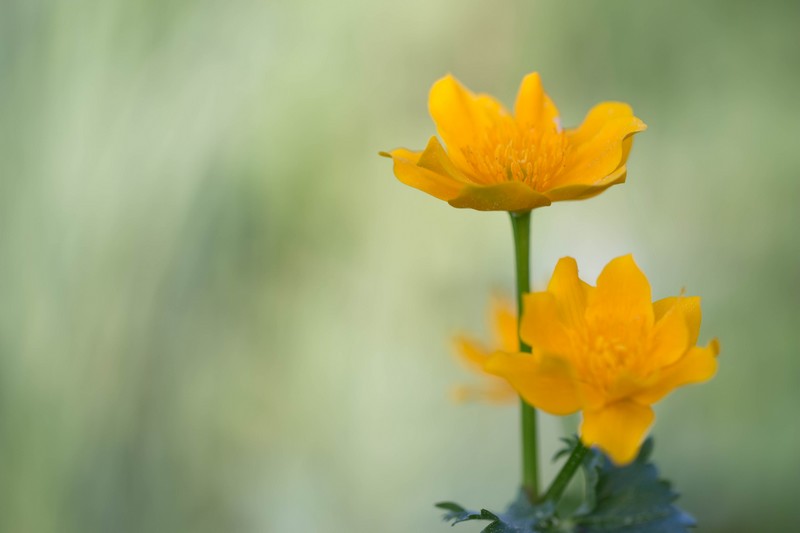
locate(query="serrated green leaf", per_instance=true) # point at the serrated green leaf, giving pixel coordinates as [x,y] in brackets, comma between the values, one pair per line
[520,517]
[629,499]
[457,514]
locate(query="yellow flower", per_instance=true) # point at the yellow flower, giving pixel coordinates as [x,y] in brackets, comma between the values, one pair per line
[607,351]
[474,354]
[499,161]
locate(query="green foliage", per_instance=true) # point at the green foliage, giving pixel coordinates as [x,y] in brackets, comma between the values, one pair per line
[521,516]
[628,499]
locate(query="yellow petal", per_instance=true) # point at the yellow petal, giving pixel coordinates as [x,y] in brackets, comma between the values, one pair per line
[616,132]
[622,387]
[550,318]
[698,365]
[439,184]
[461,116]
[670,339]
[598,117]
[541,326]
[570,292]
[618,429]
[596,158]
[689,306]
[583,191]
[545,382]
[471,352]
[504,323]
[592,397]
[435,159]
[509,196]
[533,107]
[622,296]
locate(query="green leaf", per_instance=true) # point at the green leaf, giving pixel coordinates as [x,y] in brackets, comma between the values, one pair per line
[628,499]
[520,517]
[457,514]
[569,445]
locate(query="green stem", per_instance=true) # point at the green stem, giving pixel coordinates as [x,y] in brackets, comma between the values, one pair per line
[563,478]
[521,224]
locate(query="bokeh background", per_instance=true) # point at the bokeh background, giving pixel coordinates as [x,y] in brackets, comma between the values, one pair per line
[221,312]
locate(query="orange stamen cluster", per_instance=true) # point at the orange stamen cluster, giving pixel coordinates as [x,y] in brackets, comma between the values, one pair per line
[512,152]
[602,355]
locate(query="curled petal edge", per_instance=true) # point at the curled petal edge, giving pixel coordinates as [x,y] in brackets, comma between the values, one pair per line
[430,171]
[698,365]
[596,160]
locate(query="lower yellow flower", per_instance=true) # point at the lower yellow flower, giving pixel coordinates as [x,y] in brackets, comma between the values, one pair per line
[607,351]
[474,354]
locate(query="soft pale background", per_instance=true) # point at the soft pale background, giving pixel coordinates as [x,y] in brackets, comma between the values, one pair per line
[220,311]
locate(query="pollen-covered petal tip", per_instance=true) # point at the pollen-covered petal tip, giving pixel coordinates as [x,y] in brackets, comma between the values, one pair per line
[618,429]
[544,381]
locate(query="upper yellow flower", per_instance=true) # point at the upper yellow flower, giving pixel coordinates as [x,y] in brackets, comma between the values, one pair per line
[607,351]
[499,161]
[503,320]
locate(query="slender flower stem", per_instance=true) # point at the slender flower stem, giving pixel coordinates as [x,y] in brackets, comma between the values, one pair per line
[521,224]
[563,478]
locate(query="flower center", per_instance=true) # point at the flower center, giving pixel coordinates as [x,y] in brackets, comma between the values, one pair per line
[607,356]
[513,152]
[607,353]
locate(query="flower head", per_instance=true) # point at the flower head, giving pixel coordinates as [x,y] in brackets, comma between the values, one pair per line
[607,351]
[501,161]
[474,354]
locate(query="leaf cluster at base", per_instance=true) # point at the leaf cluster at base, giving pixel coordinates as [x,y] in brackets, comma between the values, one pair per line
[520,516]
[626,499]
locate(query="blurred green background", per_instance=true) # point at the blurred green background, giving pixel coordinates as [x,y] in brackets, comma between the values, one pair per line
[221,312]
